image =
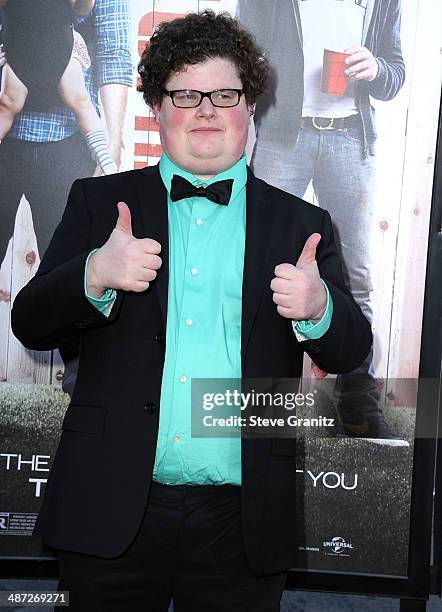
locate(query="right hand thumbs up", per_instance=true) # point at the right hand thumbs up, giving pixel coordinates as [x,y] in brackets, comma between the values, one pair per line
[124,221]
[123,262]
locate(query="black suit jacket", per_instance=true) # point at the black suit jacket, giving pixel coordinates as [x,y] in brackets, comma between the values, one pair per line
[99,482]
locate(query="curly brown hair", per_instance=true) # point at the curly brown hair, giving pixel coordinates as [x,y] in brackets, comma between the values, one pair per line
[193,39]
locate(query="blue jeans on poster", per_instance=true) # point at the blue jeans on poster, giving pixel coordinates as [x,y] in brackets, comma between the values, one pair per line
[343,183]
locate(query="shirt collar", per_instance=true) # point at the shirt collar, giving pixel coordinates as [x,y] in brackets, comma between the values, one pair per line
[237,172]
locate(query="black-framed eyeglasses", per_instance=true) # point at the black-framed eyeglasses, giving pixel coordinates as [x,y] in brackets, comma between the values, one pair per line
[191,98]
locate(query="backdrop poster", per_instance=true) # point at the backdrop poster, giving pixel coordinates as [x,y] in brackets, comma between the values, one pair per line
[354,494]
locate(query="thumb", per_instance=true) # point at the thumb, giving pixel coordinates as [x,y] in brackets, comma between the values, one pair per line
[308,254]
[124,222]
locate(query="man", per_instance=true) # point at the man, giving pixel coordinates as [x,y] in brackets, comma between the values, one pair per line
[304,135]
[45,151]
[247,278]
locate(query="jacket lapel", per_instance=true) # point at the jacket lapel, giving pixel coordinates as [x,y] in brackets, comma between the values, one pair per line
[298,21]
[152,203]
[367,19]
[259,223]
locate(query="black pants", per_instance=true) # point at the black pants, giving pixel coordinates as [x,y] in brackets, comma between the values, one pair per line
[189,548]
[43,172]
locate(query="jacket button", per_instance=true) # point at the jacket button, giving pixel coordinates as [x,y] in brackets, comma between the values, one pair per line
[150,407]
[159,337]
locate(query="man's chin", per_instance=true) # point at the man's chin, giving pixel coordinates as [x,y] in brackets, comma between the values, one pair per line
[210,165]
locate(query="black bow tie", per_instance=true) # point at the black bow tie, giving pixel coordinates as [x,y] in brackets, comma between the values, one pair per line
[218,192]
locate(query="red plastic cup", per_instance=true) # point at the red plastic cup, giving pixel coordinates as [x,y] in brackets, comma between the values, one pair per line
[334,79]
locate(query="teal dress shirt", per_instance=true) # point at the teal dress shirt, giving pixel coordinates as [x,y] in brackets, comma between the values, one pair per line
[203,333]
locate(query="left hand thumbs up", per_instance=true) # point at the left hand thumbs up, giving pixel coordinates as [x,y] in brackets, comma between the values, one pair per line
[297,290]
[308,255]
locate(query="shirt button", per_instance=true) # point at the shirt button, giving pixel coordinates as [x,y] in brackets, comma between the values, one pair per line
[199,221]
[194,271]
[159,338]
[183,378]
[189,322]
[176,438]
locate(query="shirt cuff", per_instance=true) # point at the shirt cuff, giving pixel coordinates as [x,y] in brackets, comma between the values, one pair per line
[106,301]
[306,330]
[112,75]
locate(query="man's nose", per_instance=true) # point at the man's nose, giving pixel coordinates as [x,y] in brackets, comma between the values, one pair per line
[206,108]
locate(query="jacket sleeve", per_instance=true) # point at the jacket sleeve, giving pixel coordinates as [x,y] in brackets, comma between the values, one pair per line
[53,308]
[348,339]
[391,73]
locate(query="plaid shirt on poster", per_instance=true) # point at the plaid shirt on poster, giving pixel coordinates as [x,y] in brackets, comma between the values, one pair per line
[106,31]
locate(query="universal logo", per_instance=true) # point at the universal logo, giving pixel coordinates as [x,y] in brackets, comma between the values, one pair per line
[338,545]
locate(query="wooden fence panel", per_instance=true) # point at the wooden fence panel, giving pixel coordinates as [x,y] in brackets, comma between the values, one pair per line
[24,365]
[5,310]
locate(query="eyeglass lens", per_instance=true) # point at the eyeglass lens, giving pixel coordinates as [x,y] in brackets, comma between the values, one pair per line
[188,98]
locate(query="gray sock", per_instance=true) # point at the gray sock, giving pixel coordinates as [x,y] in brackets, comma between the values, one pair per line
[97,143]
